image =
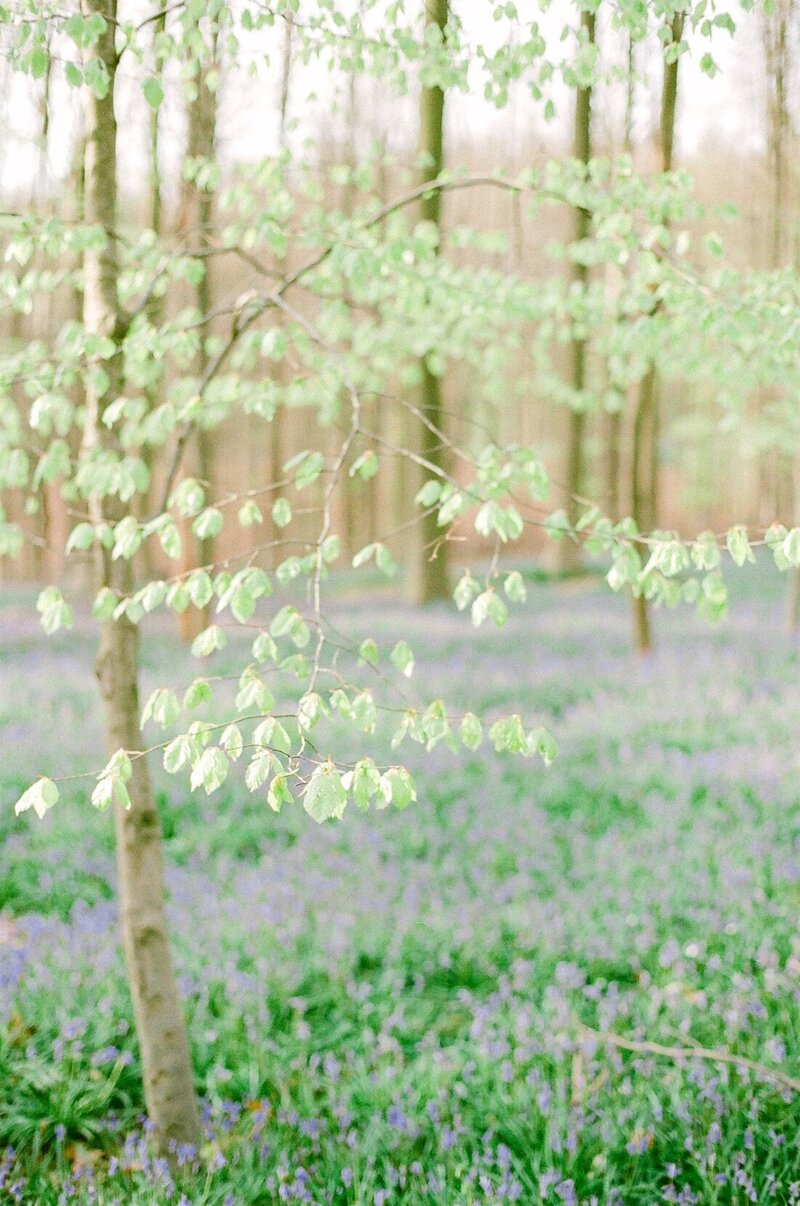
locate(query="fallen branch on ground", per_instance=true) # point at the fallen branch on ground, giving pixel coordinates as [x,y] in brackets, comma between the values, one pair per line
[642,1047]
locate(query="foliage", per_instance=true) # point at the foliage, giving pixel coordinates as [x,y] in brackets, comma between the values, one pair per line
[392,1008]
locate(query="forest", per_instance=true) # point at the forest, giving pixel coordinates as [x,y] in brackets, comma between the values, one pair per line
[399,602]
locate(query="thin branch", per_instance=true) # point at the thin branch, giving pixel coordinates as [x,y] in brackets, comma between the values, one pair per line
[712,1055]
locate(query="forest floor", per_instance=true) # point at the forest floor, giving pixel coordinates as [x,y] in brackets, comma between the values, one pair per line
[392,1008]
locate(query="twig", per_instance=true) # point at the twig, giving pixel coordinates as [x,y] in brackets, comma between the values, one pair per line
[644,1047]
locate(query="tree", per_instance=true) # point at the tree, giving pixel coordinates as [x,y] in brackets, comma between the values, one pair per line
[168,1080]
[375,261]
[613,431]
[194,225]
[776,26]
[427,571]
[644,463]
[569,551]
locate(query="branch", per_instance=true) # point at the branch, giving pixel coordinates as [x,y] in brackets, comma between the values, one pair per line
[642,1047]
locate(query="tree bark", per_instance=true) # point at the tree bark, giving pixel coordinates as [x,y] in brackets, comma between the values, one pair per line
[568,556]
[428,578]
[168,1080]
[196,213]
[777,53]
[613,441]
[644,461]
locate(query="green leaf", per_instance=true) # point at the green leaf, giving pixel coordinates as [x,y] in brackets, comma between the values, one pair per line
[325,795]
[397,787]
[105,604]
[211,770]
[208,641]
[271,733]
[514,587]
[170,540]
[309,710]
[402,658]
[368,653]
[791,547]
[365,466]
[490,606]
[199,692]
[259,769]
[264,648]
[254,694]
[508,735]
[232,742]
[739,545]
[40,796]
[55,612]
[471,731]
[250,514]
[200,588]
[208,524]
[289,622]
[465,591]
[279,793]
[180,752]
[153,92]
[81,537]
[308,466]
[281,512]
[189,498]
[111,785]
[364,782]
[127,538]
[541,742]
[162,707]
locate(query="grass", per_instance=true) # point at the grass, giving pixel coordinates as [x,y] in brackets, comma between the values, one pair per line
[390,1009]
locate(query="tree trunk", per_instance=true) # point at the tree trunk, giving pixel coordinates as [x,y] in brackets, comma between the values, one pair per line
[168,1079]
[196,212]
[568,555]
[613,440]
[777,53]
[644,463]
[428,578]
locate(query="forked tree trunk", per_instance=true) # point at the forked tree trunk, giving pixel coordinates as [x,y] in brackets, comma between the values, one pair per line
[168,1080]
[428,579]
[644,463]
[568,553]
[196,212]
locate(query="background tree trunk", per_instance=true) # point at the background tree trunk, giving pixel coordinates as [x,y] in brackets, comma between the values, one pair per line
[428,579]
[168,1080]
[194,223]
[613,426]
[568,553]
[644,459]
[775,28]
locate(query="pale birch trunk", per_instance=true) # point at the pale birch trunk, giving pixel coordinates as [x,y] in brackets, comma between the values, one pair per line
[428,578]
[196,213]
[644,463]
[568,553]
[168,1080]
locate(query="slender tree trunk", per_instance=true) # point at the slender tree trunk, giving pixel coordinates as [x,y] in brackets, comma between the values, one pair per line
[775,30]
[168,1080]
[155,306]
[428,578]
[568,553]
[644,465]
[196,212]
[613,465]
